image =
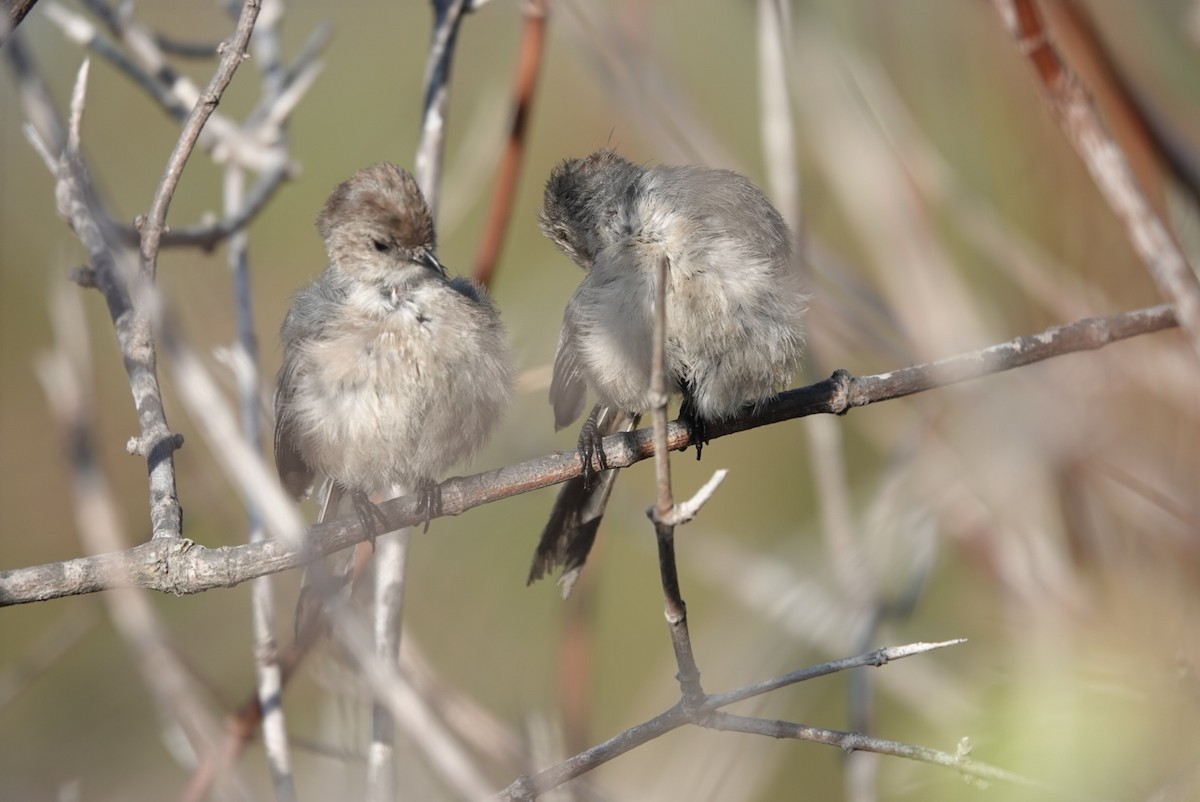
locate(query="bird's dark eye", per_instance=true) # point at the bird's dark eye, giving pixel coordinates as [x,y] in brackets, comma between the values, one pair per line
[381,246]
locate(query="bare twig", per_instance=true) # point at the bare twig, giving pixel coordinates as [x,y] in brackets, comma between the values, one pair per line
[874,658]
[64,377]
[708,714]
[269,675]
[82,32]
[663,512]
[1072,108]
[529,59]
[853,741]
[391,560]
[14,12]
[156,218]
[447,14]
[173,90]
[184,567]
[77,204]
[407,708]
[39,108]
[244,360]
[35,98]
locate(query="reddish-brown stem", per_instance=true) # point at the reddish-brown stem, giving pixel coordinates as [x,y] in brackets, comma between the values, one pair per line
[529,60]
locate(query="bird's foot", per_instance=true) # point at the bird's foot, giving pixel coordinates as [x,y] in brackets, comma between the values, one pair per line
[429,503]
[697,427]
[591,445]
[373,521]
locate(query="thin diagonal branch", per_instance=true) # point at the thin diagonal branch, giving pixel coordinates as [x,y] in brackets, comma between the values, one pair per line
[1077,116]
[960,761]
[110,263]
[663,512]
[706,714]
[156,219]
[14,13]
[183,567]
[447,14]
[65,379]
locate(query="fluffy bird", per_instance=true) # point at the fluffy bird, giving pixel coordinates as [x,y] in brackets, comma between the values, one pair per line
[392,372]
[734,311]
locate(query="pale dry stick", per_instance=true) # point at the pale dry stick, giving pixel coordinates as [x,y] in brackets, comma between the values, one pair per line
[78,29]
[470,721]
[281,90]
[1073,110]
[391,562]
[239,459]
[156,218]
[530,787]
[172,91]
[663,513]
[221,135]
[776,128]
[262,602]
[447,14]
[269,676]
[407,708]
[184,567]
[14,12]
[389,569]
[64,377]
[1036,271]
[825,436]
[40,110]
[36,101]
[110,263]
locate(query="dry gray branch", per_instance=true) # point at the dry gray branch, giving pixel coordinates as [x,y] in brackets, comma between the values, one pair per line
[110,264]
[184,567]
[707,713]
[64,376]
[234,52]
[447,14]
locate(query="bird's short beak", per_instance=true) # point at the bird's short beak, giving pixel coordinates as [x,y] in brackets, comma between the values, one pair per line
[426,258]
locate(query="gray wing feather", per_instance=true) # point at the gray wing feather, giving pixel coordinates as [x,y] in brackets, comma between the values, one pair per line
[568,386]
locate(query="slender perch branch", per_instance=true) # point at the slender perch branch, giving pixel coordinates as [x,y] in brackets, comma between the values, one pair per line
[663,511]
[182,567]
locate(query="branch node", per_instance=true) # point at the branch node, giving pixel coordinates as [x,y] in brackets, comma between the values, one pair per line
[145,446]
[839,403]
[84,276]
[522,789]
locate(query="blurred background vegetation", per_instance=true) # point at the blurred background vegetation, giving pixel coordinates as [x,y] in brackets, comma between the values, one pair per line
[1050,515]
